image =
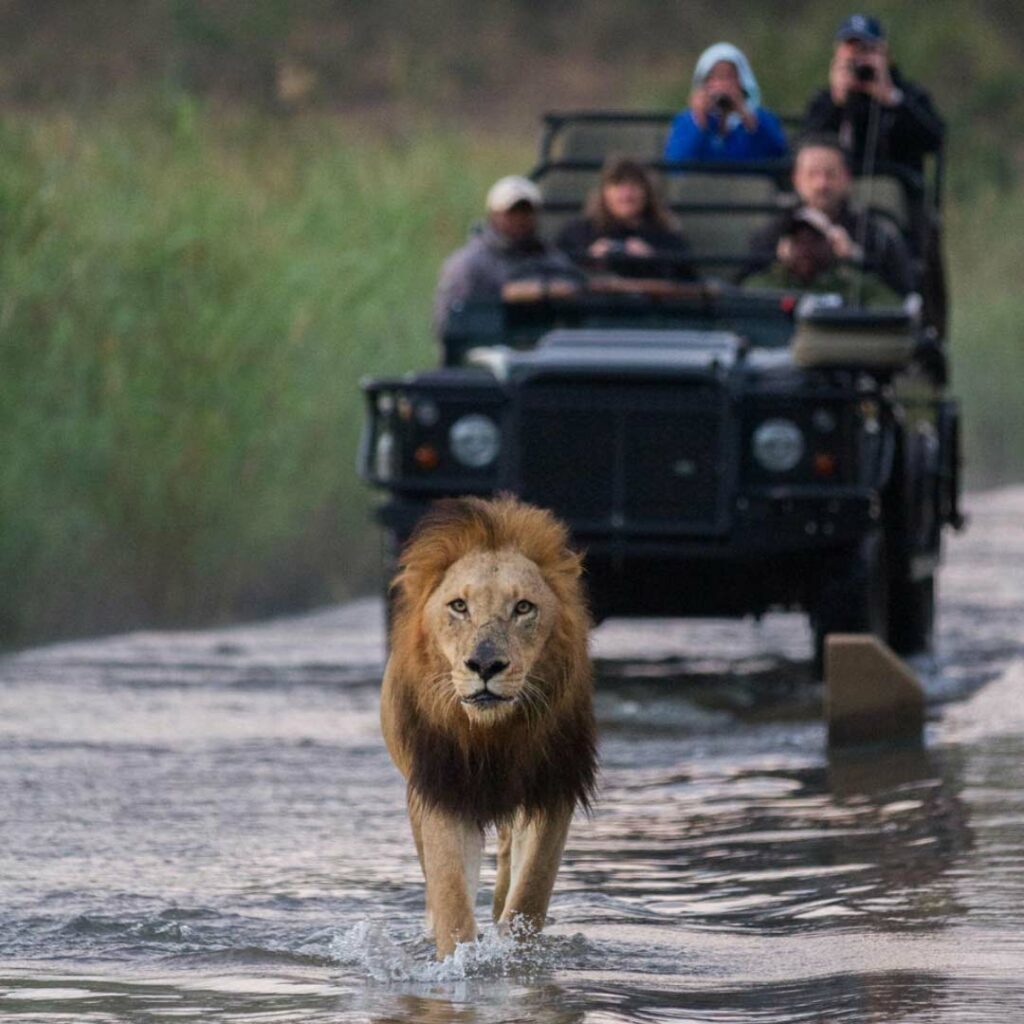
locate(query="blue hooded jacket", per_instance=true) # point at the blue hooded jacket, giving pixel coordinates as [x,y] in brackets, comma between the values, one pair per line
[687,141]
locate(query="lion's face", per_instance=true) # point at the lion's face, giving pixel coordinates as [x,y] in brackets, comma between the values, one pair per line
[491,617]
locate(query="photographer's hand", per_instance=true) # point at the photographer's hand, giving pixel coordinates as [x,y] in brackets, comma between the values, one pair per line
[726,98]
[638,247]
[841,80]
[700,107]
[880,87]
[843,246]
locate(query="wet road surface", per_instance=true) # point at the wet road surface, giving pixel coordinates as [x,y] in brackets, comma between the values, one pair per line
[206,826]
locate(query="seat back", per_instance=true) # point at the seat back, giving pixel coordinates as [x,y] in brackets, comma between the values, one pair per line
[735,188]
[597,139]
[886,195]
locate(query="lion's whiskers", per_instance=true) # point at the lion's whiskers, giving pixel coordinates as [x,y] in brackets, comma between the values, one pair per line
[534,697]
[440,694]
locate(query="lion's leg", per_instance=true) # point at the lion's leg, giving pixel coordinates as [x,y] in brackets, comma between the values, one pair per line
[537,846]
[472,858]
[504,872]
[451,863]
[415,822]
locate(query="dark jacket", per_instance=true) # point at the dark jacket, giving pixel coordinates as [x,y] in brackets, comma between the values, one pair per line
[670,247]
[906,131]
[885,252]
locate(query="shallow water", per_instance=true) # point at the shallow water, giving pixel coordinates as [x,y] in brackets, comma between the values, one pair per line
[206,826]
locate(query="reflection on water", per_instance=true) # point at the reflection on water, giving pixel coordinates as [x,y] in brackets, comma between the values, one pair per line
[205,826]
[778,844]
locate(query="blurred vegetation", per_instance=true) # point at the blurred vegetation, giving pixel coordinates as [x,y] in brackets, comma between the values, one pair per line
[216,216]
[186,307]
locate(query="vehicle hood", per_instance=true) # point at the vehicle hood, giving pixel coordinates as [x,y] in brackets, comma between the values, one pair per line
[612,352]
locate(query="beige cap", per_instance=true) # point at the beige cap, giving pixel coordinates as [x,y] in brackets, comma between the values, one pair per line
[506,192]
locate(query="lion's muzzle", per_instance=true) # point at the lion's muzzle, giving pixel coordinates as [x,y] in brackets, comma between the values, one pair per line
[485,699]
[486,661]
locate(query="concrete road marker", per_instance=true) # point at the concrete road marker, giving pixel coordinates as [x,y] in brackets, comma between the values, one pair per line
[871,695]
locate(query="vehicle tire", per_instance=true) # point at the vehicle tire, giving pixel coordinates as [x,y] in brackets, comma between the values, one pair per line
[853,598]
[390,549]
[914,523]
[912,616]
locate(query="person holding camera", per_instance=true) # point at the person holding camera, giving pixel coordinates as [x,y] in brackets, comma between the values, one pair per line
[855,237]
[815,255]
[625,228]
[877,114]
[725,119]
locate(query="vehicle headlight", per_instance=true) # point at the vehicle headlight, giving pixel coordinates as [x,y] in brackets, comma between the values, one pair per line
[474,440]
[384,456]
[778,445]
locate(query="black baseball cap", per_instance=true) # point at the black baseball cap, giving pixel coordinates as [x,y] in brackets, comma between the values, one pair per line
[861,26]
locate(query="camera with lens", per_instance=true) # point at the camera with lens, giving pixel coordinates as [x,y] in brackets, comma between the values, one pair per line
[863,73]
[722,103]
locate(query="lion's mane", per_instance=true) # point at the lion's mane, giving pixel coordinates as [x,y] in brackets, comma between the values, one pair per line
[535,760]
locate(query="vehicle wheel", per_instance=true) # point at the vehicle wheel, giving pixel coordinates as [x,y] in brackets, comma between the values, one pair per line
[912,616]
[390,549]
[854,598]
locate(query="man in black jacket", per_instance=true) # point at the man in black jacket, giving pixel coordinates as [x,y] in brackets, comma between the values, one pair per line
[863,86]
[855,237]
[879,116]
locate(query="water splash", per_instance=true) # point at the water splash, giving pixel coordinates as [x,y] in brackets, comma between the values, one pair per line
[384,954]
[996,710]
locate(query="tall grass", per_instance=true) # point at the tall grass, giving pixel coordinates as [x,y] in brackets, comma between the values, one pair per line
[986,245]
[187,303]
[186,307]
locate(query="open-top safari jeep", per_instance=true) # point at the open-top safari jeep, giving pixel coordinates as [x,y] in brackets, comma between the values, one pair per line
[716,450]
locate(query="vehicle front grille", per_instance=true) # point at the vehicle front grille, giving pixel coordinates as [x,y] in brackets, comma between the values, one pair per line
[633,458]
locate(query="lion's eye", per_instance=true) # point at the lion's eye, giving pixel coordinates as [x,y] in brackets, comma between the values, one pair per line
[458,606]
[524,607]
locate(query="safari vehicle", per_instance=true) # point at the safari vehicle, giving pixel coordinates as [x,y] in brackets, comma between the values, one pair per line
[715,450]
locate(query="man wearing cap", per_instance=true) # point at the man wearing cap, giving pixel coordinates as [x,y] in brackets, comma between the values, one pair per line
[853,237]
[505,248]
[867,96]
[807,261]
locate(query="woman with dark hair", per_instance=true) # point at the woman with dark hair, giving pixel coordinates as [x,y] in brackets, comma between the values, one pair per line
[625,227]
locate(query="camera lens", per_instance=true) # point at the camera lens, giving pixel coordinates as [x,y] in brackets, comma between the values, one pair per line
[864,73]
[722,103]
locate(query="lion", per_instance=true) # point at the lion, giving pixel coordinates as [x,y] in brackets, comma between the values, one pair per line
[487,706]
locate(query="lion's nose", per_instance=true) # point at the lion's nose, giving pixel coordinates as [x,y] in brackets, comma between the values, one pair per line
[486,662]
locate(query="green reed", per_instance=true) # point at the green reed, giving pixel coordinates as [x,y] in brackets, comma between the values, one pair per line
[187,305]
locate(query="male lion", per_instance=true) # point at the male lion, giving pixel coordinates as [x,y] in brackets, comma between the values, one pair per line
[486,705]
